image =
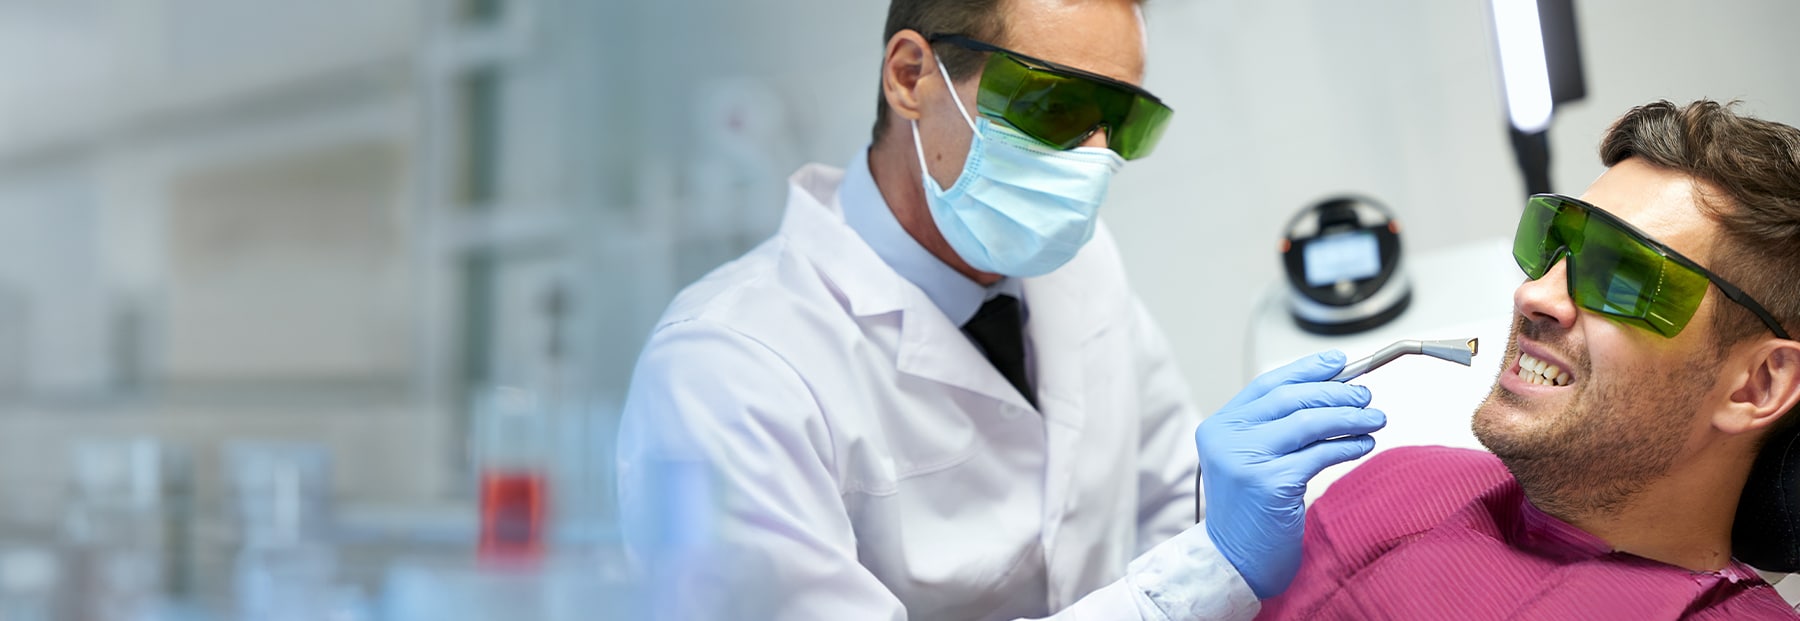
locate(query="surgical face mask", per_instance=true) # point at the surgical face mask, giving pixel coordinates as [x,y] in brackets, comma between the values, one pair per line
[1020,208]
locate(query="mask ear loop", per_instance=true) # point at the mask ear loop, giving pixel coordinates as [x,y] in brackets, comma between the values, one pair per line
[919,147]
[953,98]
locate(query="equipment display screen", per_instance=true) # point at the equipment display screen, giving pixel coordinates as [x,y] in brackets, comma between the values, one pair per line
[1342,256]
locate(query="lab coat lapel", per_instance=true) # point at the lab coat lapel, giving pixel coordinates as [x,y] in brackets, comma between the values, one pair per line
[930,347]
[1061,322]
[933,348]
[1066,320]
[1060,325]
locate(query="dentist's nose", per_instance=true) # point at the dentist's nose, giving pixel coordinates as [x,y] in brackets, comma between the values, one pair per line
[1096,140]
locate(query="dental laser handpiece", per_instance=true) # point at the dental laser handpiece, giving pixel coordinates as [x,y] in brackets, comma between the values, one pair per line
[1460,351]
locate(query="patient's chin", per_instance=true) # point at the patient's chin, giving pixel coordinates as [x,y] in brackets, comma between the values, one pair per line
[1503,422]
[1530,444]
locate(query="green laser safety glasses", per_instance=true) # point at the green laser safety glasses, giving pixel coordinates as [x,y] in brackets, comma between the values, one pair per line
[1062,106]
[1617,270]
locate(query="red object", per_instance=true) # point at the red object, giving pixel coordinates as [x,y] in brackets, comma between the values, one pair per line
[1443,533]
[512,516]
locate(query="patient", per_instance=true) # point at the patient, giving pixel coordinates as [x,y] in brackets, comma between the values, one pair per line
[1635,392]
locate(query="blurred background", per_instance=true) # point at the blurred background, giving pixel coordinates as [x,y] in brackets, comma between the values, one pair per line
[325,310]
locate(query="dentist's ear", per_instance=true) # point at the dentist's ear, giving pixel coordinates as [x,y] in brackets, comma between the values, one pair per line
[1764,389]
[908,62]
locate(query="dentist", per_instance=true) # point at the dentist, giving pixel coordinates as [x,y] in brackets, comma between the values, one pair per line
[933,395]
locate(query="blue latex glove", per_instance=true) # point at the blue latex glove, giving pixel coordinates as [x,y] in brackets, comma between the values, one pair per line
[1258,452]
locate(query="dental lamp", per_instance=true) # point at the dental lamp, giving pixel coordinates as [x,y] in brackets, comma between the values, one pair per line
[1540,67]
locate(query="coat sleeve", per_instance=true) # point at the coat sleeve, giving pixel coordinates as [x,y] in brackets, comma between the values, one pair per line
[1182,579]
[728,498]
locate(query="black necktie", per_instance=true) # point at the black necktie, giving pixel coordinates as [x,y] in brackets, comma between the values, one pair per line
[999,331]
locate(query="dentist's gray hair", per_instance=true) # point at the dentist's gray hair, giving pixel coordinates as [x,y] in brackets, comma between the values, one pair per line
[976,19]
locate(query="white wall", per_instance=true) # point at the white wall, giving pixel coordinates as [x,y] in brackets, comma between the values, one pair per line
[1278,104]
[54,343]
[139,136]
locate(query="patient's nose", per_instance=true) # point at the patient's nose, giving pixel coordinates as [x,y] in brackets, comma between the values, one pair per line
[1547,298]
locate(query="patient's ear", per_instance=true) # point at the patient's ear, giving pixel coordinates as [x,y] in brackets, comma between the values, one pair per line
[1768,386]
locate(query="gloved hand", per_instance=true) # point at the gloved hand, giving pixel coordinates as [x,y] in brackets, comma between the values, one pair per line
[1258,452]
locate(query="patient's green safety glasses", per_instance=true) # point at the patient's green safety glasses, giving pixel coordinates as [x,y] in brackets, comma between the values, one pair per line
[1617,270]
[1062,106]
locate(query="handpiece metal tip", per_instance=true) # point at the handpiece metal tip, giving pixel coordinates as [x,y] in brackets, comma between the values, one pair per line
[1474,346]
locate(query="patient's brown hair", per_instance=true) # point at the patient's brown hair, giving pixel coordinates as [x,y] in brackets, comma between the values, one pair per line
[1750,174]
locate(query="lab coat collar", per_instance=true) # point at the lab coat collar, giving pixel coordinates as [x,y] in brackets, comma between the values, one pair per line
[868,213]
[814,225]
[931,346]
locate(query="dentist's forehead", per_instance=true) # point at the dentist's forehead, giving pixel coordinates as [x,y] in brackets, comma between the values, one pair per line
[1101,36]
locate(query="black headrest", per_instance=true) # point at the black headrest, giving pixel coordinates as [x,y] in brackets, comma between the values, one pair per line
[1767,532]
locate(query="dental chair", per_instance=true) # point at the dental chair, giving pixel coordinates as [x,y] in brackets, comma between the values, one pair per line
[1766,534]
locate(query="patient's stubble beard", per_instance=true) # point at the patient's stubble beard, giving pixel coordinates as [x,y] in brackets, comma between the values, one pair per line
[1617,434]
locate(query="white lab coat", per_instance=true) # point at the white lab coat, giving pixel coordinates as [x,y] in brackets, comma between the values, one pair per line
[808,437]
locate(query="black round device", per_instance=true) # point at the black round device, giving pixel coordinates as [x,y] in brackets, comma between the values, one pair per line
[1343,266]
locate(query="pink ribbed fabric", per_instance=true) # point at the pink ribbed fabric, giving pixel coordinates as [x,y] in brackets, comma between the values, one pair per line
[1443,533]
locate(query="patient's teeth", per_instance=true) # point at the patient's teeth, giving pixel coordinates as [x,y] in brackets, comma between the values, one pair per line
[1541,372]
